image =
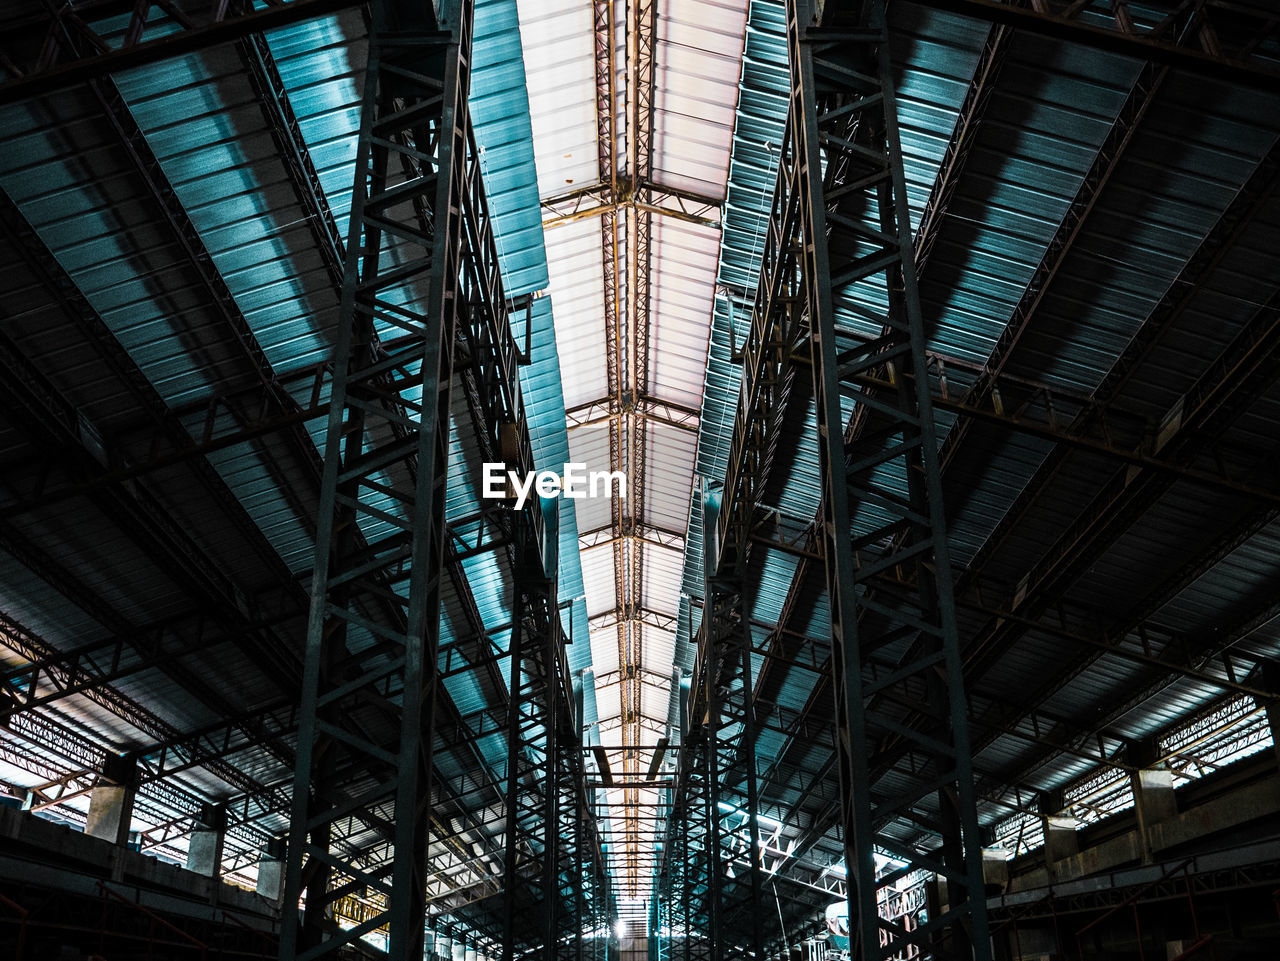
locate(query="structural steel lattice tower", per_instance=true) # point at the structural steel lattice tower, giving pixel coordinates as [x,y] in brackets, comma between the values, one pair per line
[373,633]
[902,735]
[728,689]
[420,278]
[423,304]
[837,313]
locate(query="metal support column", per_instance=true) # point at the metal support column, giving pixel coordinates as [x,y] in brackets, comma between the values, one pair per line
[368,698]
[574,863]
[900,705]
[591,866]
[731,727]
[700,872]
[679,873]
[530,886]
[671,888]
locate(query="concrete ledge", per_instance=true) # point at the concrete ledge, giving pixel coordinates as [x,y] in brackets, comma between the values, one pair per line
[1249,803]
[1267,853]
[41,852]
[1237,808]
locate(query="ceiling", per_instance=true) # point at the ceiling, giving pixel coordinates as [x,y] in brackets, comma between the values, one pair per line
[1096,237]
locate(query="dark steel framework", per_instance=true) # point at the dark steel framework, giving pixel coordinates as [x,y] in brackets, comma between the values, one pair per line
[901,724]
[423,304]
[725,695]
[414,268]
[64,45]
[685,864]
[550,875]
[838,240]
[1217,38]
[530,869]
[1075,422]
[52,675]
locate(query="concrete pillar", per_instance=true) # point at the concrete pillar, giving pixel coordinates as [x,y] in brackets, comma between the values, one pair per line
[935,897]
[111,801]
[995,871]
[1153,797]
[1271,683]
[444,946]
[1059,829]
[271,869]
[1060,837]
[204,852]
[459,950]
[1153,793]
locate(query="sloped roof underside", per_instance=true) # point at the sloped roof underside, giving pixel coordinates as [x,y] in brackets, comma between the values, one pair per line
[696,71]
[1133,319]
[165,275]
[176,280]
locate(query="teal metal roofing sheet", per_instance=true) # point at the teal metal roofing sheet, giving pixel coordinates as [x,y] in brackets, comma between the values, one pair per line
[544,407]
[500,115]
[761,115]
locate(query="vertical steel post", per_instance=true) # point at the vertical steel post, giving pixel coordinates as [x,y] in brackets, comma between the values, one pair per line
[731,732]
[364,746]
[572,862]
[579,871]
[692,833]
[510,865]
[897,669]
[530,888]
[688,866]
[551,844]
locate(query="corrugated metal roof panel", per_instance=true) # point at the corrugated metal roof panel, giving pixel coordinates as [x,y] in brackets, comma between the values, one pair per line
[500,114]
[696,69]
[560,70]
